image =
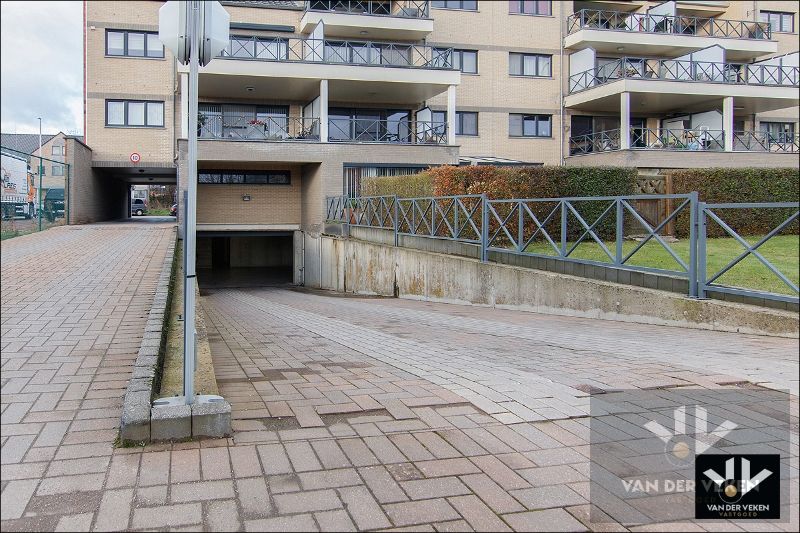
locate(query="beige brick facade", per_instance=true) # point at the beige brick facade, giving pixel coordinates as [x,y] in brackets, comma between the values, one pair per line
[317,168]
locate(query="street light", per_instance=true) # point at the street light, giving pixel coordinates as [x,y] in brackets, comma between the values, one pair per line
[41,168]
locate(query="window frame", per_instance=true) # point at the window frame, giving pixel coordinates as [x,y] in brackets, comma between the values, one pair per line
[60,170]
[125,119]
[780,15]
[536,125]
[460,53]
[521,4]
[60,149]
[219,177]
[460,8]
[459,122]
[523,55]
[147,35]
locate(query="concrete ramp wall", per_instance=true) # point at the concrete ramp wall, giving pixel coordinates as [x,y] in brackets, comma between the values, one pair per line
[350,265]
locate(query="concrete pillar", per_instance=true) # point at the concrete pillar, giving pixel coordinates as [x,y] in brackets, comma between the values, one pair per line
[727,122]
[184,106]
[451,115]
[625,120]
[323,111]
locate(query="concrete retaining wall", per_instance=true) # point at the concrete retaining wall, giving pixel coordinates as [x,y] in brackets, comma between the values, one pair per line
[355,266]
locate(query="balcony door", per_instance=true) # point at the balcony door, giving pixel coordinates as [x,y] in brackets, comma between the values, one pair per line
[243,121]
[369,125]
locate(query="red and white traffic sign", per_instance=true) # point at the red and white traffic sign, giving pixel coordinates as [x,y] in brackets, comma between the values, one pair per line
[135,157]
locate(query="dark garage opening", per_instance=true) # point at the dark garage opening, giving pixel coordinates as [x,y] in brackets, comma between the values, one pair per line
[244,260]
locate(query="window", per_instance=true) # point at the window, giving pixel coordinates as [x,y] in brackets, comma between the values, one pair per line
[369,125]
[468,5]
[57,150]
[466,61]
[530,7]
[520,125]
[466,121]
[123,43]
[530,65]
[779,21]
[58,170]
[782,132]
[134,113]
[266,177]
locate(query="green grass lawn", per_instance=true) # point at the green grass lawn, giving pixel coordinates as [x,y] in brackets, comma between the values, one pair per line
[782,251]
[158,212]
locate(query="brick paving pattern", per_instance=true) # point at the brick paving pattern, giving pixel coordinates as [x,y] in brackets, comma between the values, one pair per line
[349,413]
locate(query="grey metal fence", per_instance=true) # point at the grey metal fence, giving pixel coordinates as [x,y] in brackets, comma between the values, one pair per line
[607,231]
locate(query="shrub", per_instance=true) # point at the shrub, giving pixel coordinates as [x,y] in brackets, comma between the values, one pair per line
[726,185]
[408,186]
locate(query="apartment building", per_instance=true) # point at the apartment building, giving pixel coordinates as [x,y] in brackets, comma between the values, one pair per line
[311,96]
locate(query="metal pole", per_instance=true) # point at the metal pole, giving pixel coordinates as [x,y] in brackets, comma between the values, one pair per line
[396,224]
[484,228]
[563,228]
[67,196]
[697,217]
[191,214]
[619,235]
[41,167]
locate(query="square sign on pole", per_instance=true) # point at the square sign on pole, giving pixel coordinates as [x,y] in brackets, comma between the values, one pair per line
[195,32]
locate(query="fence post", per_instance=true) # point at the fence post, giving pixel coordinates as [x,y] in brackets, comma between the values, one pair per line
[693,227]
[520,222]
[563,228]
[396,223]
[701,240]
[67,196]
[433,216]
[484,228]
[349,213]
[619,233]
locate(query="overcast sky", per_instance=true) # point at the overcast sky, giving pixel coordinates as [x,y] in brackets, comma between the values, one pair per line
[42,66]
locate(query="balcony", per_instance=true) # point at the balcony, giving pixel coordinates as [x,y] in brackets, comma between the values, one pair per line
[666,84]
[357,71]
[390,19]
[699,147]
[666,35]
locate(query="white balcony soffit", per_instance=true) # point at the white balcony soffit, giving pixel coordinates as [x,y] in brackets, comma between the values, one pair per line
[665,44]
[659,96]
[384,28]
[229,78]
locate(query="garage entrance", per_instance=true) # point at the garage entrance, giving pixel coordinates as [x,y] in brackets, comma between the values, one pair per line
[252,259]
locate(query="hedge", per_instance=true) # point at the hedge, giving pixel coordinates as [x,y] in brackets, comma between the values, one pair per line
[519,182]
[726,185]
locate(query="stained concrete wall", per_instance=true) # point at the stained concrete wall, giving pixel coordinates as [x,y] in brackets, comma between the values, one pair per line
[350,265]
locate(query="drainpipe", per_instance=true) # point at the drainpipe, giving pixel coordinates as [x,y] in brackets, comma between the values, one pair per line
[561,81]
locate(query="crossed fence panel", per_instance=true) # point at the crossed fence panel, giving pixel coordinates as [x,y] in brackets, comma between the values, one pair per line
[564,228]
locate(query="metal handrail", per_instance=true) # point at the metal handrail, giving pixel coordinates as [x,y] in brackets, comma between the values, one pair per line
[386,131]
[404,9]
[680,25]
[700,139]
[262,128]
[762,141]
[362,53]
[685,71]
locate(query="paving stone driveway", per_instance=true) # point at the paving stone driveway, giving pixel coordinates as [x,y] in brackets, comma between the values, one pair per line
[350,413]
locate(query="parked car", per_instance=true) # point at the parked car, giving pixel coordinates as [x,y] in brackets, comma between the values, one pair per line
[173,211]
[138,207]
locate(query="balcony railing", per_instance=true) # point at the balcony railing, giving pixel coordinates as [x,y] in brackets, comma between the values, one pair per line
[682,70]
[685,139]
[386,131]
[675,25]
[703,140]
[386,8]
[761,141]
[247,128]
[363,53]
